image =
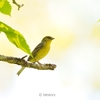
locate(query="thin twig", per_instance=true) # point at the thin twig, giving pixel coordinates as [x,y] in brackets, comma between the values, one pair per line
[19,6]
[24,57]
[22,62]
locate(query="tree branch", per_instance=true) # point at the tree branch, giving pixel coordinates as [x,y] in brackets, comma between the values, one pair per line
[19,6]
[22,62]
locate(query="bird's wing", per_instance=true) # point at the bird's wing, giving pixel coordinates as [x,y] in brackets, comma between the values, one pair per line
[37,48]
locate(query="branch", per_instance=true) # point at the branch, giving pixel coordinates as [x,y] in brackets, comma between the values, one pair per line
[22,62]
[19,6]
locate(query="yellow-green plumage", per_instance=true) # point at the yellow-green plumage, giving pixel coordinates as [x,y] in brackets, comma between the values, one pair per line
[40,51]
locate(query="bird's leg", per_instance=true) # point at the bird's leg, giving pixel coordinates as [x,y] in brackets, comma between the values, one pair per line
[39,63]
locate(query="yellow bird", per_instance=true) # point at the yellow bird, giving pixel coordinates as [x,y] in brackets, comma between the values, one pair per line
[40,51]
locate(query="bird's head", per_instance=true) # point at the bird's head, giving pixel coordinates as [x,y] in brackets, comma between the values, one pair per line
[47,39]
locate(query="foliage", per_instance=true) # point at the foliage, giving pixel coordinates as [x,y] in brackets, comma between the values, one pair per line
[15,37]
[5,7]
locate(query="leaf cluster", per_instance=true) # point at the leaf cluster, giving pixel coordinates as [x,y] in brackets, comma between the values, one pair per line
[13,35]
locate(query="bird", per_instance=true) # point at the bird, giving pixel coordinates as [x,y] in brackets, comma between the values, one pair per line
[39,52]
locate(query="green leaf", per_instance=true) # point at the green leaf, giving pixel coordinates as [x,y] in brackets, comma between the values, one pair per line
[5,7]
[15,37]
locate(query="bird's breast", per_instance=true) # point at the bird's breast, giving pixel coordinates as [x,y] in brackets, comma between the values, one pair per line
[42,52]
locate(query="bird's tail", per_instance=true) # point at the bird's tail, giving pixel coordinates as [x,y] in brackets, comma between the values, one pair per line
[19,72]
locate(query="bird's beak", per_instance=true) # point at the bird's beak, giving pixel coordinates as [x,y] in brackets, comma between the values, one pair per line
[52,38]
